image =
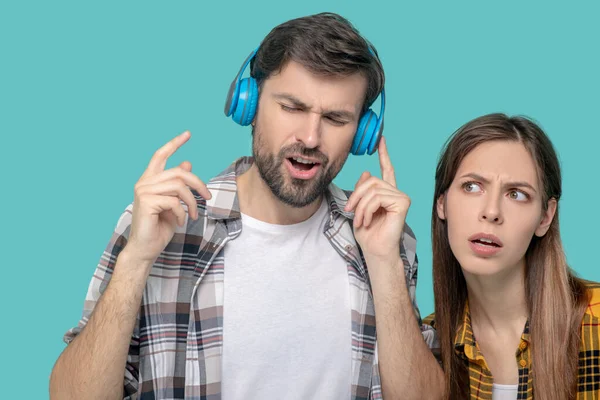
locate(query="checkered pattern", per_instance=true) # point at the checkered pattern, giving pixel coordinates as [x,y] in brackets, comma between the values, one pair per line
[481,379]
[176,346]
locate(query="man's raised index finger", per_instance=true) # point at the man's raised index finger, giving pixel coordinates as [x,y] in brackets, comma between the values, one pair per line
[387,169]
[159,159]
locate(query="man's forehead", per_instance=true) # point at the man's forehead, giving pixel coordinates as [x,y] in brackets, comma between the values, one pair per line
[339,91]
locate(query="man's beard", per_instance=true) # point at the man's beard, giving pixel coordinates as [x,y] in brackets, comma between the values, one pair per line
[299,192]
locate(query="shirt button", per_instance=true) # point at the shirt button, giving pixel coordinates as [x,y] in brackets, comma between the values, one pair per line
[523,363]
[349,247]
[523,346]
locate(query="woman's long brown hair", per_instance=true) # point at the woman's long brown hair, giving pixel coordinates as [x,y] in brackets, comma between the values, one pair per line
[556,298]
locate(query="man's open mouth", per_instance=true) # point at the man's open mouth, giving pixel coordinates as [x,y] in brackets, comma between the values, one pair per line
[303,164]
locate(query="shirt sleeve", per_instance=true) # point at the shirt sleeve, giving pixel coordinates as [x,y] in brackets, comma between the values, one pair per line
[429,323]
[408,253]
[97,286]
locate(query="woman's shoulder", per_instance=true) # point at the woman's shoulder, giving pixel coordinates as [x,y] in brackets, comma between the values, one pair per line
[593,289]
[590,333]
[593,305]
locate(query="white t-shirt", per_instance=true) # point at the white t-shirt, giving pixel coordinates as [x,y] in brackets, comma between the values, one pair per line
[504,392]
[287,335]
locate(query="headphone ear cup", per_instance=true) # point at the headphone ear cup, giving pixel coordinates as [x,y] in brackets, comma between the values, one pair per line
[246,101]
[376,138]
[232,98]
[364,133]
[252,101]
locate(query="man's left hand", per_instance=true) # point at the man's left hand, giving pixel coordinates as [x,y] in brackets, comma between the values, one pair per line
[379,211]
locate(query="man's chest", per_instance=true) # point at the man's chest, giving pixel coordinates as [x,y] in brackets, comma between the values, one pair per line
[286,316]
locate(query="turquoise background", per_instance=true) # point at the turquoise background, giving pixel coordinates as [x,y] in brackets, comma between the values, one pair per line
[88,91]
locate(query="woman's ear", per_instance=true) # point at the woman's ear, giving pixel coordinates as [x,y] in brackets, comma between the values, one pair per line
[547,218]
[441,209]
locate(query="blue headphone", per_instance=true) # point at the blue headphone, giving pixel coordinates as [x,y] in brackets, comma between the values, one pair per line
[242,100]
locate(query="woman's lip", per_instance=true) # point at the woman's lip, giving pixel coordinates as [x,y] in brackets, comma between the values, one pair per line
[488,236]
[484,250]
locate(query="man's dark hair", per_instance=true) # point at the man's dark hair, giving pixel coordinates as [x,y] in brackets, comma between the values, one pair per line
[326,44]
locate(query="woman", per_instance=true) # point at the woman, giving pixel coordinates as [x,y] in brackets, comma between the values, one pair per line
[513,319]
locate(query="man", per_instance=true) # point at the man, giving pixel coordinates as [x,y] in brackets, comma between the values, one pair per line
[255,286]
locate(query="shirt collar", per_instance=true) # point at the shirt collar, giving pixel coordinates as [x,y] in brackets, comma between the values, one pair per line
[464,340]
[464,335]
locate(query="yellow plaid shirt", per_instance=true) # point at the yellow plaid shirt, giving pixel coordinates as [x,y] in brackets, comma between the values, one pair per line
[481,378]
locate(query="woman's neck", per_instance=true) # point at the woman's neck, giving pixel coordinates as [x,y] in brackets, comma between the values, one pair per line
[498,302]
[498,308]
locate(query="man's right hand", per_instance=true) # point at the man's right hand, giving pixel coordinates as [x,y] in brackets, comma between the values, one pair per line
[86,369]
[157,207]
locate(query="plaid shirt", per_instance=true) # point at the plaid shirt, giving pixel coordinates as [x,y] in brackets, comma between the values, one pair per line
[481,378]
[177,344]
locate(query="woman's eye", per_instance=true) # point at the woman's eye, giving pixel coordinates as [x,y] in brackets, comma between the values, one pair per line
[471,187]
[517,195]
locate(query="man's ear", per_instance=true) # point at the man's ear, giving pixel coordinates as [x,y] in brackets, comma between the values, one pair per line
[547,218]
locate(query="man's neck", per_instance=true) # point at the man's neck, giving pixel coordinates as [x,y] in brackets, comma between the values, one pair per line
[257,201]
